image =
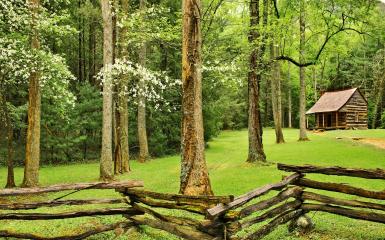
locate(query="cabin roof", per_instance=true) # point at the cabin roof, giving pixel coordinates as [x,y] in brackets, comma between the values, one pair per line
[332,101]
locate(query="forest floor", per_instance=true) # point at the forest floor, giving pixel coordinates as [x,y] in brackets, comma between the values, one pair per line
[229,174]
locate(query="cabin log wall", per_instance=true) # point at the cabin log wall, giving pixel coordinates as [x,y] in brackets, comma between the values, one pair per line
[356,110]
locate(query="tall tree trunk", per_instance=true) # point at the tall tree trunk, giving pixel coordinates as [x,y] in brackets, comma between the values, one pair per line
[276,95]
[378,101]
[92,47]
[117,138]
[314,75]
[91,53]
[123,134]
[194,179]
[116,111]
[123,105]
[32,151]
[106,153]
[84,56]
[142,132]
[302,76]
[7,123]
[267,100]
[11,175]
[256,152]
[289,100]
[80,45]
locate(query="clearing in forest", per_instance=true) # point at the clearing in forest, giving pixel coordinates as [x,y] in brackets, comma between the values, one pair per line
[230,174]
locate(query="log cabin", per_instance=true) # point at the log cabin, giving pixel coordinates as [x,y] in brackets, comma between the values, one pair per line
[344,109]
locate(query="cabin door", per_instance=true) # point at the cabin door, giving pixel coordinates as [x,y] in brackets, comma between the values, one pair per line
[329,118]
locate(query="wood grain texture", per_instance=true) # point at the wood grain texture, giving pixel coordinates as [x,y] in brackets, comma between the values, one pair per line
[221,208]
[351,172]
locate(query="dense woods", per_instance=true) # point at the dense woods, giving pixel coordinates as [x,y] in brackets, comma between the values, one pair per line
[87,80]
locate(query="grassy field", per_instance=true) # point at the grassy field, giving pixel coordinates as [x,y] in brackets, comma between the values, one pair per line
[229,174]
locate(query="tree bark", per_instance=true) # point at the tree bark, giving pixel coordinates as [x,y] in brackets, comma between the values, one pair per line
[11,175]
[302,80]
[289,101]
[122,154]
[256,152]
[32,155]
[106,153]
[380,92]
[142,132]
[80,44]
[117,89]
[117,138]
[92,48]
[123,134]
[314,75]
[194,179]
[276,98]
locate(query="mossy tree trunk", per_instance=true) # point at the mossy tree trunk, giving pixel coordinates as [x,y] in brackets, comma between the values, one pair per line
[10,175]
[256,152]
[142,131]
[194,173]
[106,152]
[32,151]
[123,105]
[302,74]
[276,98]
[289,98]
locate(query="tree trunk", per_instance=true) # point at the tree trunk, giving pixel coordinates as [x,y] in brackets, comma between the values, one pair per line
[194,179]
[378,102]
[80,45]
[142,132]
[32,151]
[7,124]
[92,47]
[256,152]
[91,53]
[276,96]
[289,101]
[123,105]
[106,153]
[124,147]
[314,75]
[302,80]
[11,175]
[117,138]
[116,98]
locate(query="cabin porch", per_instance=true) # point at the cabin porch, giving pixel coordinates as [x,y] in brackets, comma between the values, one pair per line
[330,120]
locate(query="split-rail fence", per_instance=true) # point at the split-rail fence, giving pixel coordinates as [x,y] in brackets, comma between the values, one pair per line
[253,215]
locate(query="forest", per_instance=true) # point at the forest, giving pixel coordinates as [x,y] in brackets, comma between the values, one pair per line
[126,84]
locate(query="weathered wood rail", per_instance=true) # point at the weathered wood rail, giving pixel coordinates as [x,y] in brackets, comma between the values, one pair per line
[345,207]
[15,215]
[250,216]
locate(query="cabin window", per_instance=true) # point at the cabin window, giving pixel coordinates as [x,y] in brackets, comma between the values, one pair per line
[357,117]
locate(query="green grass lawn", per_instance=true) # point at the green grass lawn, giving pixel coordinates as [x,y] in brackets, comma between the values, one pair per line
[229,174]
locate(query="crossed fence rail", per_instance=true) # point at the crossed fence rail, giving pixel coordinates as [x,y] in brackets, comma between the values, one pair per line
[249,216]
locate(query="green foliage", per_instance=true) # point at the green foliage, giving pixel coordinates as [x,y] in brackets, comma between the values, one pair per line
[71,54]
[74,135]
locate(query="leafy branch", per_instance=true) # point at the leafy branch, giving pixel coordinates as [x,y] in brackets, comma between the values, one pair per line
[328,36]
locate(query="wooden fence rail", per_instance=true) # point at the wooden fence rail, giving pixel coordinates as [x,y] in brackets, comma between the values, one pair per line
[338,206]
[212,217]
